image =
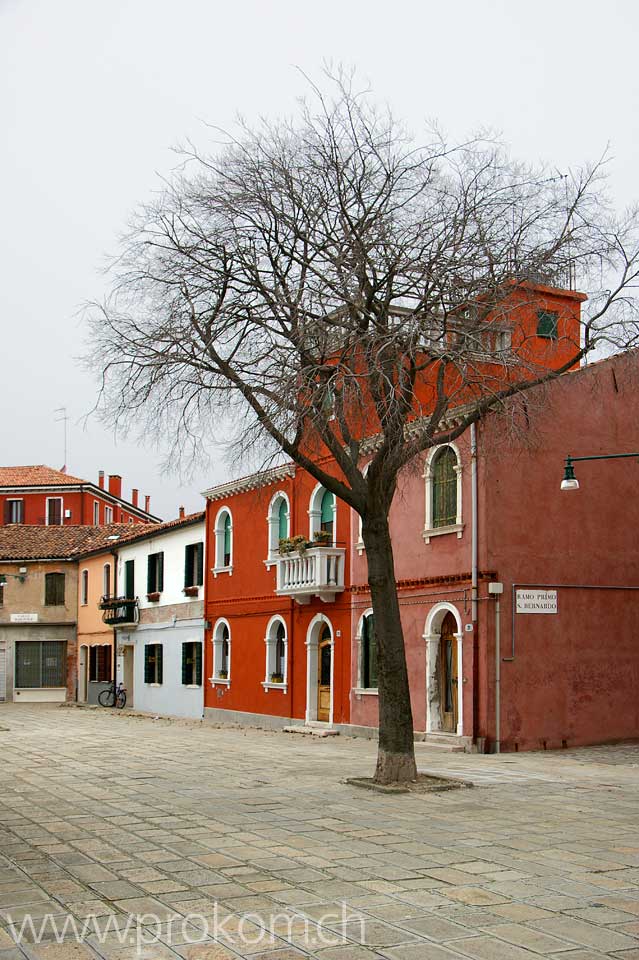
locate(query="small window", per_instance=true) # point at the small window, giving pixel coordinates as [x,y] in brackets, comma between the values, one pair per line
[153,663]
[100,660]
[444,488]
[547,324]
[54,589]
[1,594]
[155,573]
[192,664]
[194,565]
[84,589]
[327,512]
[108,514]
[106,580]
[96,513]
[227,540]
[14,511]
[276,652]
[129,579]
[54,511]
[368,653]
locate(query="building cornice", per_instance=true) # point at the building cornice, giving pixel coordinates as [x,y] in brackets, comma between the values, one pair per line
[252,482]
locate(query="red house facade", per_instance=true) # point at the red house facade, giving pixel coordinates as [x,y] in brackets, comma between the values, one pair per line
[518,600]
[43,496]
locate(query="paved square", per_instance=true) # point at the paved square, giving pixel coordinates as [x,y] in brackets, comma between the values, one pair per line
[161,839]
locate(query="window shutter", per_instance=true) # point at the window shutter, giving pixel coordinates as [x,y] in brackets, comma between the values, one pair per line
[93,663]
[7,511]
[198,662]
[227,539]
[283,521]
[160,575]
[60,590]
[188,565]
[158,657]
[149,664]
[129,579]
[200,564]
[186,649]
[327,508]
[48,589]
[150,570]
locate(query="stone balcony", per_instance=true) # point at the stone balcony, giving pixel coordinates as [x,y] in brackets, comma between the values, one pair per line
[314,572]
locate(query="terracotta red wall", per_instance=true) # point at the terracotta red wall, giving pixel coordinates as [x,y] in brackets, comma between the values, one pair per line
[575,674]
[80,504]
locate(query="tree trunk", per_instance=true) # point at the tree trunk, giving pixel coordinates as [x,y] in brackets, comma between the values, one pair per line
[396,750]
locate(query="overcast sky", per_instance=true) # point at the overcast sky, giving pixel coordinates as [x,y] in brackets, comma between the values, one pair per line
[94,93]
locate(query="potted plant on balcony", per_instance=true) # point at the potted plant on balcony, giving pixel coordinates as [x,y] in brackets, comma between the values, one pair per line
[322,538]
[191,591]
[277,678]
[222,675]
[297,544]
[153,597]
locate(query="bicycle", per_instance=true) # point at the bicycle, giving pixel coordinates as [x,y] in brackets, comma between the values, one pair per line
[113,696]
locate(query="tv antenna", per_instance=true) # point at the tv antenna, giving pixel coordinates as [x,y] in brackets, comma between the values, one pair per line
[63,417]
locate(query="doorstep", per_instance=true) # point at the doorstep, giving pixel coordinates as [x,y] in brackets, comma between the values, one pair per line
[313,728]
[445,742]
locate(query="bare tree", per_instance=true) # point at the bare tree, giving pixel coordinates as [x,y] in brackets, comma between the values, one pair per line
[339,291]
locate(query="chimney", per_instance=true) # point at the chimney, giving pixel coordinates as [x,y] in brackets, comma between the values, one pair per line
[115,485]
[181,513]
[101,479]
[134,497]
[147,504]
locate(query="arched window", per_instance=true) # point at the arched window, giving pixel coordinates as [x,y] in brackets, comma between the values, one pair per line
[106,580]
[443,492]
[221,653]
[278,520]
[322,513]
[84,592]
[223,541]
[367,652]
[276,654]
[444,488]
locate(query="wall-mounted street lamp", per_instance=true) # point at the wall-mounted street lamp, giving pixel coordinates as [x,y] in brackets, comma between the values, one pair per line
[570,481]
[15,576]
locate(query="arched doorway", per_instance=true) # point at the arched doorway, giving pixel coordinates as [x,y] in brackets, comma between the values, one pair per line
[443,636]
[319,670]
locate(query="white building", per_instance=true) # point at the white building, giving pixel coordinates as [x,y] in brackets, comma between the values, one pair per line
[160,655]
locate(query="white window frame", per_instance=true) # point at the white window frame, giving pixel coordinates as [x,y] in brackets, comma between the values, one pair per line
[273,525]
[84,587]
[360,689]
[270,642]
[17,500]
[457,527]
[61,499]
[96,513]
[315,513]
[219,566]
[360,545]
[217,641]
[108,514]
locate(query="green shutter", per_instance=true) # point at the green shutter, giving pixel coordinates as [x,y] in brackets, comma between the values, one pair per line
[547,324]
[198,663]
[150,574]
[186,659]
[129,579]
[227,538]
[199,561]
[188,565]
[445,488]
[158,657]
[327,513]
[149,663]
[283,520]
[160,573]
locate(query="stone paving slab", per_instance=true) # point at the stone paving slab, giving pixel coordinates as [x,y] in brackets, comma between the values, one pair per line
[144,835]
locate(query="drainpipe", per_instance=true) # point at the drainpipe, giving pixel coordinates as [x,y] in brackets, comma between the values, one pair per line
[473,521]
[495,590]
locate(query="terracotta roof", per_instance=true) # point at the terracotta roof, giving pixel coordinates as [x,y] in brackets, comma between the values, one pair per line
[141,531]
[23,542]
[251,482]
[35,476]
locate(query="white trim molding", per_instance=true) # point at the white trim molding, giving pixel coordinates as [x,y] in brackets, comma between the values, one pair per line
[432,636]
[319,621]
[217,640]
[270,642]
[273,526]
[218,558]
[315,512]
[457,527]
[359,637]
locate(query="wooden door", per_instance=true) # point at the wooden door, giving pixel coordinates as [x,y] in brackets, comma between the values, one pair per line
[448,674]
[83,674]
[324,657]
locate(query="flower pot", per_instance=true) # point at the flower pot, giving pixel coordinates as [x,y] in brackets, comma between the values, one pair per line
[153,597]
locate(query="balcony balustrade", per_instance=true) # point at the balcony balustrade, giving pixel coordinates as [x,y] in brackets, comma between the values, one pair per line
[314,572]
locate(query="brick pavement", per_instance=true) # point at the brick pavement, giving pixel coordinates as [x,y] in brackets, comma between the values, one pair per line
[183,831]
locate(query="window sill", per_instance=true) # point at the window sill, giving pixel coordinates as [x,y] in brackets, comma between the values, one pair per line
[217,570]
[153,684]
[219,681]
[268,685]
[153,597]
[192,686]
[457,528]
[192,591]
[365,691]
